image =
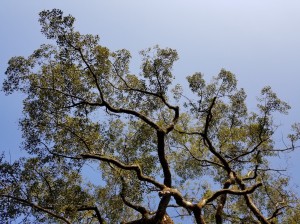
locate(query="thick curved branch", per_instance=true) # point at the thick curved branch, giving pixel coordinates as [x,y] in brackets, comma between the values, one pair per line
[174,121]
[162,207]
[255,210]
[144,212]
[121,165]
[124,111]
[234,192]
[162,158]
[222,202]
[250,203]
[164,201]
[178,197]
[37,207]
[186,204]
[198,215]
[131,112]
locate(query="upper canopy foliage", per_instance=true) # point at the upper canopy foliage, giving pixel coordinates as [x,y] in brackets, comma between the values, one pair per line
[203,158]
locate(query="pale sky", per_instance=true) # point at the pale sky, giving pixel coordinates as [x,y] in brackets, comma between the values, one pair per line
[257,40]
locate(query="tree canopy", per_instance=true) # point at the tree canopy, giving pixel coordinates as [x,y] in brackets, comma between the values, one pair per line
[162,151]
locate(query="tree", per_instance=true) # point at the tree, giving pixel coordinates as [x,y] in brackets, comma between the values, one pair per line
[160,153]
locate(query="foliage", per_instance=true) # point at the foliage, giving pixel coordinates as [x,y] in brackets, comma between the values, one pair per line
[207,158]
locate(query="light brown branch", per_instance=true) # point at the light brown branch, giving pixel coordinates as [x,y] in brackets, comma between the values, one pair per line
[234,192]
[250,203]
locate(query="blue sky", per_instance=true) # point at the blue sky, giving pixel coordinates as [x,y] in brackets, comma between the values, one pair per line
[257,40]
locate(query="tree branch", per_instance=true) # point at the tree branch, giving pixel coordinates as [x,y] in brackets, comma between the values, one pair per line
[144,212]
[162,158]
[162,207]
[96,210]
[221,204]
[178,197]
[234,192]
[106,104]
[207,140]
[276,212]
[121,165]
[250,203]
[131,112]
[28,203]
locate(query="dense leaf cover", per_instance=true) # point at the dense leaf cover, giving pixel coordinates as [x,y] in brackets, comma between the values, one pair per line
[161,152]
